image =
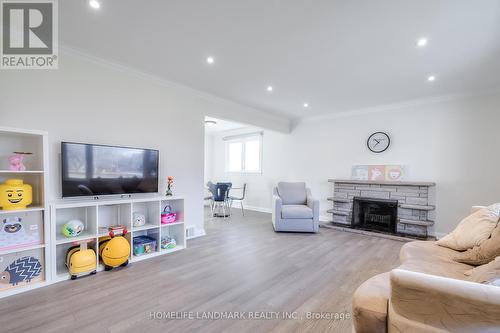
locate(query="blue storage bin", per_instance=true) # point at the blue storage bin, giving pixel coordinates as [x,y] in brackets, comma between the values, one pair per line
[144,245]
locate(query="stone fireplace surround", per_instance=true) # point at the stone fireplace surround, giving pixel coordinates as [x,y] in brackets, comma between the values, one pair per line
[416,203]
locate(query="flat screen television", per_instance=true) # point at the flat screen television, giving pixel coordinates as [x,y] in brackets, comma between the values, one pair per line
[93,170]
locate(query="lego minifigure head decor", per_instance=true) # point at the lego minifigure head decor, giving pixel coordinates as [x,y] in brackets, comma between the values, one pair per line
[14,194]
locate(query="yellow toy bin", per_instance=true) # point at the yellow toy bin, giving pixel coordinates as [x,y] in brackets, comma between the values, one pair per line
[14,194]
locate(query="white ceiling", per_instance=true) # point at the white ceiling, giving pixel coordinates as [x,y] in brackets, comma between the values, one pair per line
[222,125]
[336,55]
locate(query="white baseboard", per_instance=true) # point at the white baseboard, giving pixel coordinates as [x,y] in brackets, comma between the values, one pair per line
[198,232]
[256,209]
[236,205]
[325,218]
[196,236]
[439,235]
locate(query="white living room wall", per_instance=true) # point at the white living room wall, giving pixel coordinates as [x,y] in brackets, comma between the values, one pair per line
[89,100]
[453,143]
[209,145]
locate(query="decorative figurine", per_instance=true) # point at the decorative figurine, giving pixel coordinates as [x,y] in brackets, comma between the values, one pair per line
[14,194]
[16,161]
[170,181]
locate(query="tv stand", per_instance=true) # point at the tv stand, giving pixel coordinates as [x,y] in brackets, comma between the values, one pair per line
[99,214]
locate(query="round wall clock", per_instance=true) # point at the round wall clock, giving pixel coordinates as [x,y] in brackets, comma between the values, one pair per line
[378,142]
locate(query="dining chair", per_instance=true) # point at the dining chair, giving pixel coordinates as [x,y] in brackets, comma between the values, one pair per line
[210,196]
[238,198]
[230,186]
[220,197]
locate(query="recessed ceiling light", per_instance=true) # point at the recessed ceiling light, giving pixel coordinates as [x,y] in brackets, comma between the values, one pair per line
[94,4]
[431,78]
[210,60]
[306,105]
[269,88]
[422,42]
[210,123]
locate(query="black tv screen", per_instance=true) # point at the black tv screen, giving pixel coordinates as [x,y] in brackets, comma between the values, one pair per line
[92,170]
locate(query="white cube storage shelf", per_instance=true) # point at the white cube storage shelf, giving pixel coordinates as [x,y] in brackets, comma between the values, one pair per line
[98,215]
[29,246]
[40,245]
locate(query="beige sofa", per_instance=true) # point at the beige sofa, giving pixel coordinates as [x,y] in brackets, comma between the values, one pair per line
[427,293]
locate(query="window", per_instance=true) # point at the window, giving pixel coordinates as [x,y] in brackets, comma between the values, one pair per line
[244,153]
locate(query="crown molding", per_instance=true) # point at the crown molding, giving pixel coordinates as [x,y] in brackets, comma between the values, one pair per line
[289,122]
[402,106]
[180,88]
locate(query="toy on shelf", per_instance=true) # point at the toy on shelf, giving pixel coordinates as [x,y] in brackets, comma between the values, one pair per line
[170,182]
[168,243]
[15,233]
[73,228]
[138,219]
[14,194]
[114,251]
[116,230]
[22,269]
[16,161]
[144,245]
[80,261]
[167,216]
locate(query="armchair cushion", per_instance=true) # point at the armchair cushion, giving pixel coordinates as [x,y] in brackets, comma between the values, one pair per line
[292,193]
[296,212]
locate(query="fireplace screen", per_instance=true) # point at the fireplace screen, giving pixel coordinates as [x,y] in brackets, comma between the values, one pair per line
[375,214]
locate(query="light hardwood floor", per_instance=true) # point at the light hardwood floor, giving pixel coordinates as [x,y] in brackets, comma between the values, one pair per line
[241,265]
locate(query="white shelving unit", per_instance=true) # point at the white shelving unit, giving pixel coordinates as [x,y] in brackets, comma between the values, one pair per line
[33,238]
[98,215]
[41,224]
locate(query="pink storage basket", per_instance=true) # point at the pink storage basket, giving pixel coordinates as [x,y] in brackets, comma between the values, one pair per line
[167,216]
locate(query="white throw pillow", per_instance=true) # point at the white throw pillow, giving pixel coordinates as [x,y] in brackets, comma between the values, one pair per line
[473,230]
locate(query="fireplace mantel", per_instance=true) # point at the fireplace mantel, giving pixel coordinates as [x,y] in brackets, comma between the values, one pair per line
[381,182]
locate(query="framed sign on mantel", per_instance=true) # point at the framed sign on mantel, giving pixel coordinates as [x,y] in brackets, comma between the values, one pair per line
[394,173]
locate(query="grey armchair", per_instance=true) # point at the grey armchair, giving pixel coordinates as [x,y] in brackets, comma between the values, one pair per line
[294,208]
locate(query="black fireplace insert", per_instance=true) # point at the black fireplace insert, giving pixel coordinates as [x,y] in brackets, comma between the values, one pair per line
[375,214]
